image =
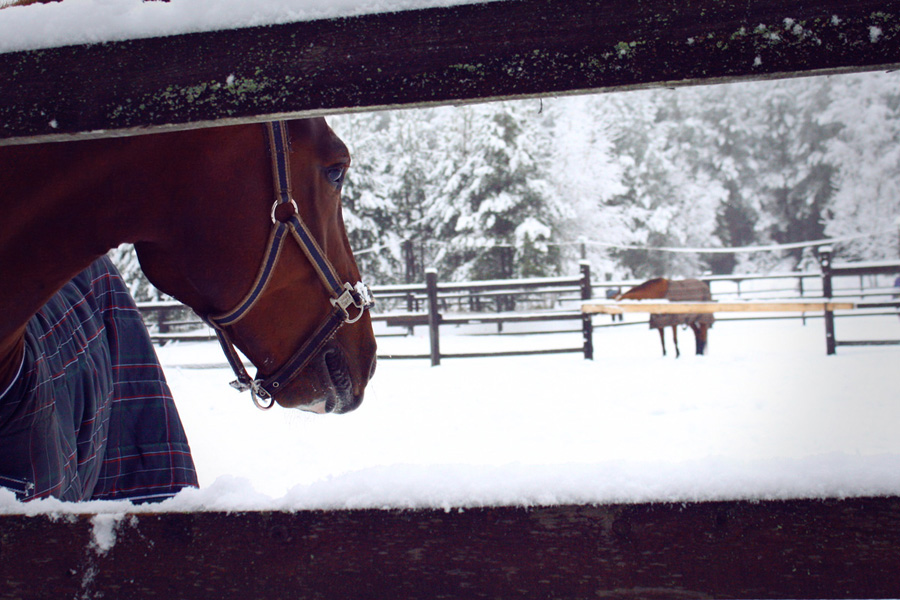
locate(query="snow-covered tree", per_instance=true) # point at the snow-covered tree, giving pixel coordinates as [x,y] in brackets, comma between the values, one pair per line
[587,174]
[370,212]
[866,153]
[495,180]
[671,193]
[797,179]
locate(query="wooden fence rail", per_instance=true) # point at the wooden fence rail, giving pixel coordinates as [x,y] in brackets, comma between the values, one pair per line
[443,55]
[765,549]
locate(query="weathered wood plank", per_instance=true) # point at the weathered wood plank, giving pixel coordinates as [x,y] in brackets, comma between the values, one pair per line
[609,308]
[513,48]
[772,549]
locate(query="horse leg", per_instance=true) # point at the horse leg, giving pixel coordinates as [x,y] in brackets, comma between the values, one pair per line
[675,339]
[700,333]
[662,338]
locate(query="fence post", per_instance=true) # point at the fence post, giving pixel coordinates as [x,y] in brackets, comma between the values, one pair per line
[434,317]
[162,316]
[800,282]
[825,261]
[587,324]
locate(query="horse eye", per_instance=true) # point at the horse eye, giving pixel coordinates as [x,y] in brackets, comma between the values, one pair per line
[335,175]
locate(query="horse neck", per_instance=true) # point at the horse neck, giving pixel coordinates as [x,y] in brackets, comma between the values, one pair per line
[60,215]
[67,204]
[649,290]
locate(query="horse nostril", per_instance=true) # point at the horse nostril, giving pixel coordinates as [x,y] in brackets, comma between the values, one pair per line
[372,368]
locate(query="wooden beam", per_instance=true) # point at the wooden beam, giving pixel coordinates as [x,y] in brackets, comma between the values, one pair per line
[657,307]
[767,549]
[507,49]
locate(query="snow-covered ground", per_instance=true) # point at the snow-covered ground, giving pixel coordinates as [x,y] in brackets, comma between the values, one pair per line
[765,415]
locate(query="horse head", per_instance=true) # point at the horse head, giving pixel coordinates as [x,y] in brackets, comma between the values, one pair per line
[215,260]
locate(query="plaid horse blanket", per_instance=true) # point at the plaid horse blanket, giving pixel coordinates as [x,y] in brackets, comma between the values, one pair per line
[90,416]
[684,290]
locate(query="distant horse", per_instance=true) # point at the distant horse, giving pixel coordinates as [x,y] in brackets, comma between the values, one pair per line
[242,223]
[685,290]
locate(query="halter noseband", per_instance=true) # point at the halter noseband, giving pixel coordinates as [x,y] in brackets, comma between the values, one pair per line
[349,302]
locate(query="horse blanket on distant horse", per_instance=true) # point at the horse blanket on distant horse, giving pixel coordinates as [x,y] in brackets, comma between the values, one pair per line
[684,290]
[90,415]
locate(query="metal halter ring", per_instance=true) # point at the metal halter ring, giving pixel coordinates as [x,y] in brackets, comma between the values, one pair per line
[278,203]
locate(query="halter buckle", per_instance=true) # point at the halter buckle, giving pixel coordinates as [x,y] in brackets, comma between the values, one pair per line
[262,399]
[358,296]
[241,386]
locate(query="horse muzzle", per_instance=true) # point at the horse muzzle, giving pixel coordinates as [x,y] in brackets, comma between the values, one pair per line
[331,384]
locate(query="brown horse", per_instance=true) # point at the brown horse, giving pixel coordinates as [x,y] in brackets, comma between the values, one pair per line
[197,205]
[686,290]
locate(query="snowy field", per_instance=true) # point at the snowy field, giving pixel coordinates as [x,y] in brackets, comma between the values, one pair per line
[766,415]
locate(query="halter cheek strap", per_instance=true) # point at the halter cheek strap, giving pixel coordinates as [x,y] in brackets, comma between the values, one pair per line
[349,302]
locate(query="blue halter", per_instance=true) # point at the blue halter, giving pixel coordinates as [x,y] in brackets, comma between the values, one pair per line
[349,302]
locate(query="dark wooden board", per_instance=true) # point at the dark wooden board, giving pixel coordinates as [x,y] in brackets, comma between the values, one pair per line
[512,48]
[772,549]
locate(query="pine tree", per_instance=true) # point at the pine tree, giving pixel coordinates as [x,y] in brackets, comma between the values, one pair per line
[796,177]
[866,153]
[369,211]
[493,182]
[671,196]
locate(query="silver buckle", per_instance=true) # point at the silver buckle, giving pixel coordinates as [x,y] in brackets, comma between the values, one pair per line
[257,394]
[358,296]
[240,385]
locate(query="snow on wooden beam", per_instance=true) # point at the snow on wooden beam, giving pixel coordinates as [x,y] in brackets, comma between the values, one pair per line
[769,549]
[507,49]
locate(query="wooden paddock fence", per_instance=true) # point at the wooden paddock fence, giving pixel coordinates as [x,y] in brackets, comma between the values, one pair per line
[434,304]
[829,272]
[829,304]
[841,548]
[776,306]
